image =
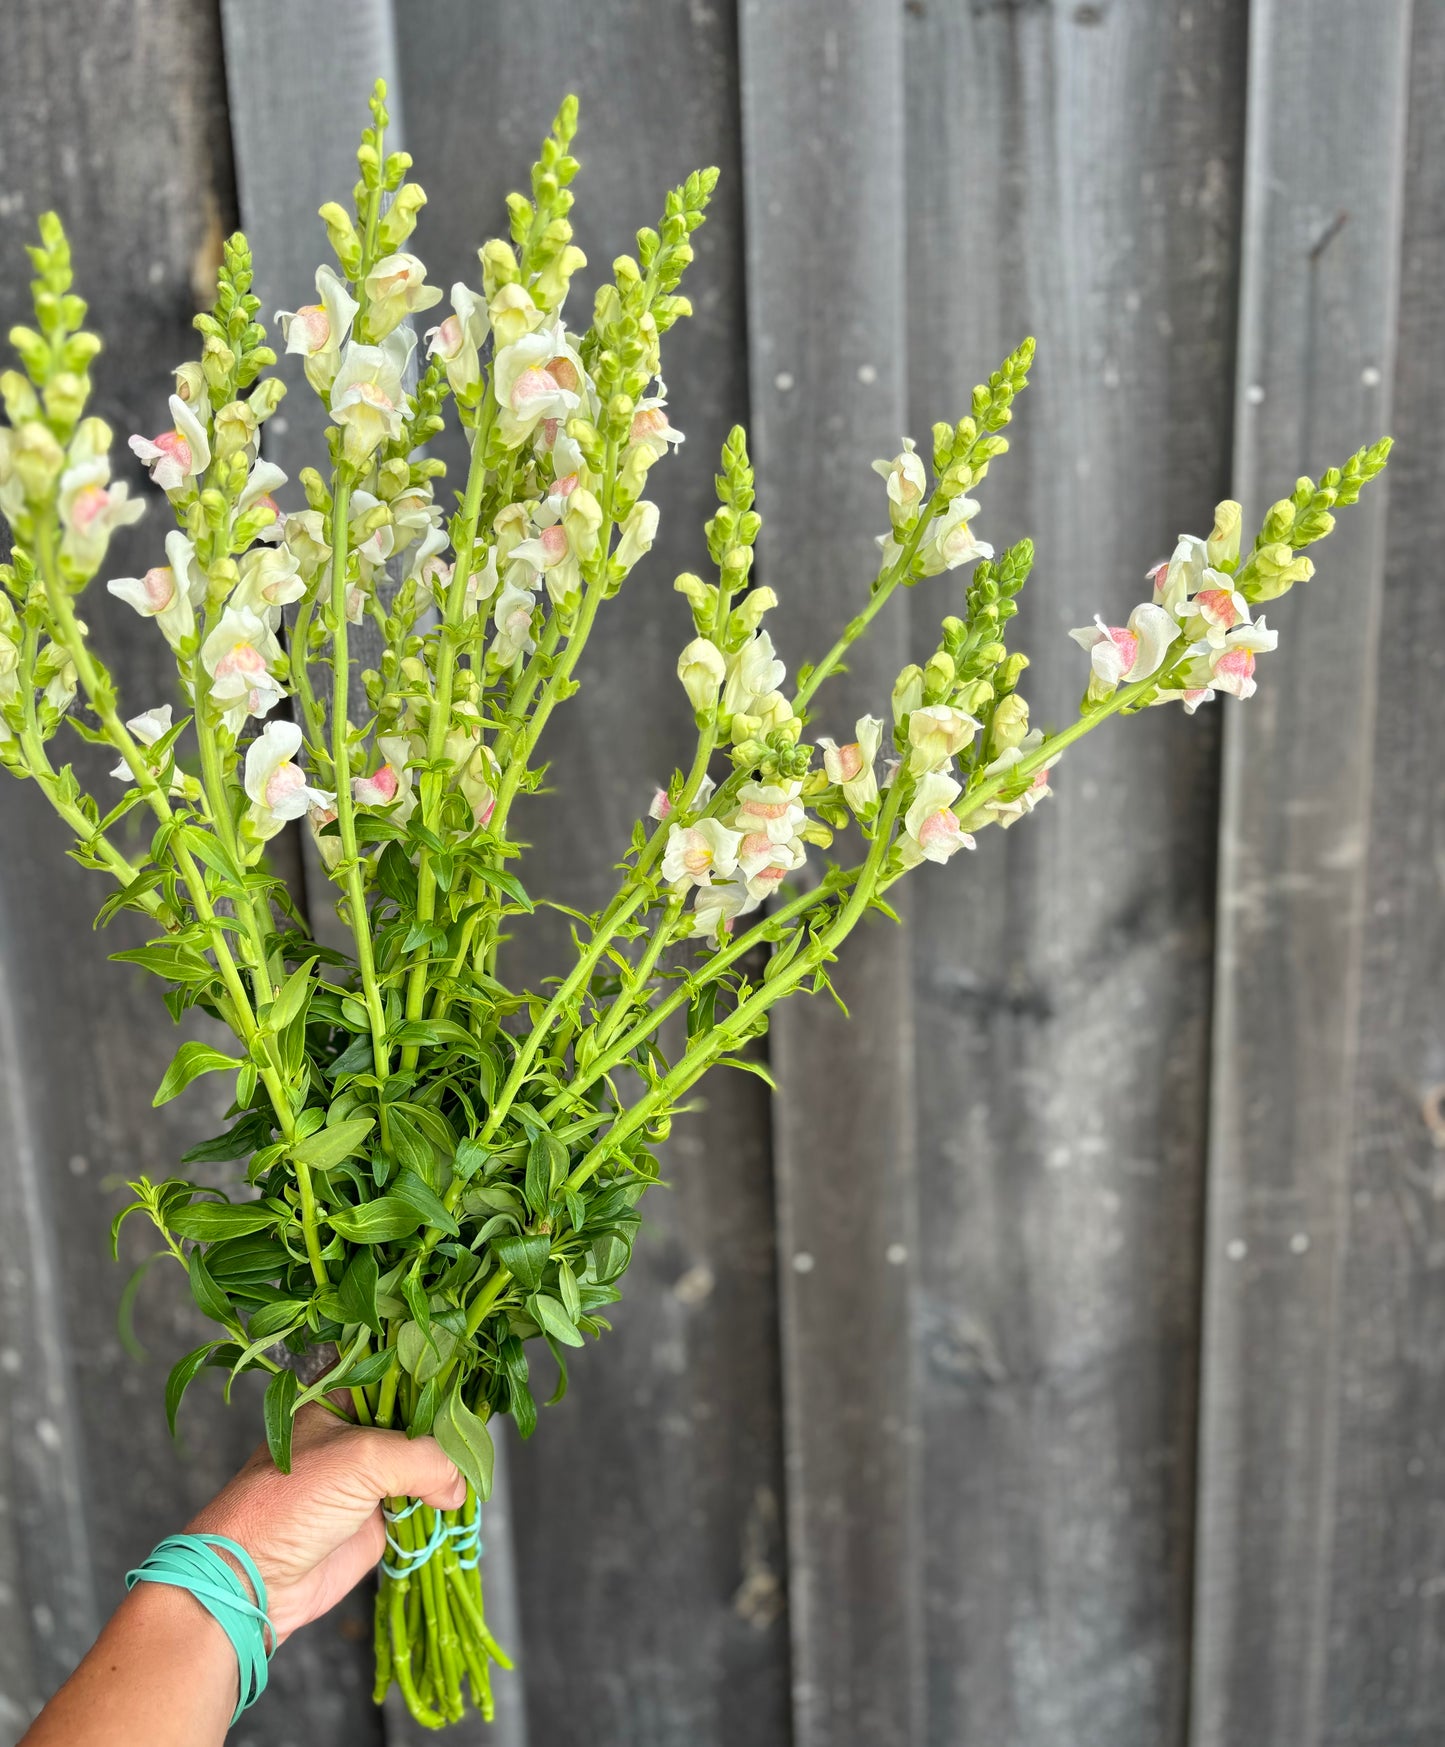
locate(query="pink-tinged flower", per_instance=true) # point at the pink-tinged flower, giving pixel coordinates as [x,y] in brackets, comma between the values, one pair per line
[396,288]
[367,397]
[931,828]
[458,342]
[1180,576]
[936,733]
[1231,668]
[651,429]
[661,807]
[377,790]
[638,533]
[558,551]
[168,593]
[695,853]
[91,509]
[270,579]
[1005,812]
[770,808]
[176,456]
[398,752]
[147,728]
[1215,610]
[512,616]
[277,787]
[764,864]
[237,655]
[950,541]
[1127,652]
[318,331]
[851,766]
[539,376]
[716,906]
[907,482]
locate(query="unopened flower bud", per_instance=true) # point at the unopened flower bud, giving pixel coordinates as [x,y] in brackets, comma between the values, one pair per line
[701,668]
[235,428]
[1010,723]
[1222,549]
[907,691]
[938,676]
[37,459]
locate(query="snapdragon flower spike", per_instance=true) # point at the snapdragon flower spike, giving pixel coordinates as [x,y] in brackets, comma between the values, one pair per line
[179,456]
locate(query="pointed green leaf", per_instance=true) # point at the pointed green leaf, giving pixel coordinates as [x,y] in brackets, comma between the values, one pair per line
[277,1410]
[191,1060]
[467,1441]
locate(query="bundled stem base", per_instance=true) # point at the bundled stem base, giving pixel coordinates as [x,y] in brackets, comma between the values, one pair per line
[431,1631]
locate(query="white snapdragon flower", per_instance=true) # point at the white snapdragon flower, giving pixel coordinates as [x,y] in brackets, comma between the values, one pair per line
[237,655]
[770,808]
[936,733]
[270,579]
[931,828]
[147,728]
[638,533]
[765,863]
[179,455]
[276,785]
[539,376]
[651,429]
[950,540]
[695,853]
[398,751]
[458,342]
[1214,611]
[367,396]
[1127,652]
[396,288]
[1005,813]
[512,616]
[1181,576]
[168,593]
[701,667]
[661,807]
[59,690]
[91,510]
[559,549]
[318,331]
[257,502]
[851,766]
[1231,667]
[716,906]
[754,672]
[907,482]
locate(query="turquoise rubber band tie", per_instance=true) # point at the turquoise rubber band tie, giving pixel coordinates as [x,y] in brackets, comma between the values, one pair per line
[194,1563]
[466,1538]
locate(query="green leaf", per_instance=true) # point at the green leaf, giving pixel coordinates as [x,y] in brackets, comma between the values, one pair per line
[407,1141]
[567,1286]
[410,1188]
[183,1372]
[552,1319]
[471,1157]
[251,1132]
[358,1291]
[467,1441]
[375,1222]
[525,1258]
[423,1353]
[210,1221]
[292,998]
[326,1148]
[546,1171]
[356,1058]
[206,1292]
[191,1061]
[424,1412]
[610,1256]
[276,1319]
[277,1409]
[508,884]
[172,962]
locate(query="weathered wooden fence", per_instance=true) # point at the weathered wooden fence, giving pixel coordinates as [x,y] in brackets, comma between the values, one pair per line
[1060,1358]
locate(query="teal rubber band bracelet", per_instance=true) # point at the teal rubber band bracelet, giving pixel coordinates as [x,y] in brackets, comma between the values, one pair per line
[194,1563]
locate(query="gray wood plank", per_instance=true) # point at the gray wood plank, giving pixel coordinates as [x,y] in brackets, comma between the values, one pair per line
[647,1504]
[1063,975]
[1385,1679]
[826,190]
[1074,174]
[1327,108]
[93,1038]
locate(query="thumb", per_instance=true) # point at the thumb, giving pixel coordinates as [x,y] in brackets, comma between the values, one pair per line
[392,1465]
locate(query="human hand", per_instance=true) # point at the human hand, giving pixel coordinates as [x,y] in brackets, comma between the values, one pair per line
[315,1532]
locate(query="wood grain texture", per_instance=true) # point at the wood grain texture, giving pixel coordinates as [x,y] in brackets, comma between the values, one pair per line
[1385,1679]
[647,1519]
[823,150]
[1323,200]
[1074,174]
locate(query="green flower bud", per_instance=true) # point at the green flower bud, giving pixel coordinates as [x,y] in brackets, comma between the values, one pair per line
[399,220]
[1010,723]
[907,692]
[1222,550]
[938,677]
[38,460]
[266,397]
[65,397]
[235,428]
[21,400]
[1279,521]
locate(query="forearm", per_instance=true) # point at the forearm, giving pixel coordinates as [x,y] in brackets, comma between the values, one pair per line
[162,1673]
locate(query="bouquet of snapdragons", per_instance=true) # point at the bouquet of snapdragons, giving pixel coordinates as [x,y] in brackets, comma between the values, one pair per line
[444,1170]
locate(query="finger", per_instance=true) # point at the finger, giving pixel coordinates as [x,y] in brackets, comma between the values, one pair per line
[392,1465]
